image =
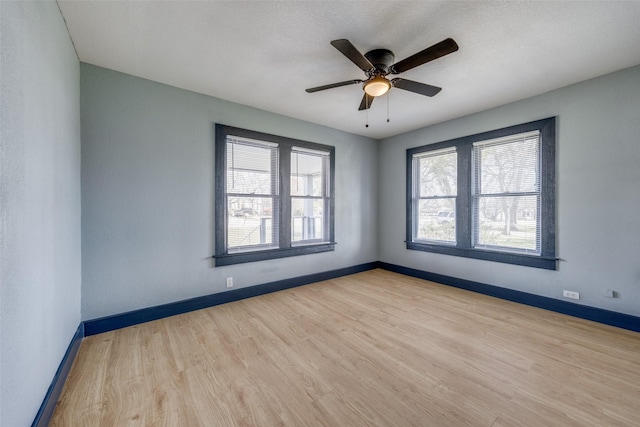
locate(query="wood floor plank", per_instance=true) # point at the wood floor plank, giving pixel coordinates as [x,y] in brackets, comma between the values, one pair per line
[371,349]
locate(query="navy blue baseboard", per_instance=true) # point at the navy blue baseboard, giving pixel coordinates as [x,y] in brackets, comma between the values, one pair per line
[600,315]
[117,321]
[53,393]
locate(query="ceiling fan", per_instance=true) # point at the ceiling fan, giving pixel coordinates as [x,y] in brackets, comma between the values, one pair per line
[377,64]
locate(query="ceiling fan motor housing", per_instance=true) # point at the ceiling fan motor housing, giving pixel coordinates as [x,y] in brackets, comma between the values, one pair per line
[381,59]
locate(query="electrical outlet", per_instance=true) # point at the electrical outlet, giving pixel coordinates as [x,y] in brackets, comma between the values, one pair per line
[571,294]
[229,282]
[609,293]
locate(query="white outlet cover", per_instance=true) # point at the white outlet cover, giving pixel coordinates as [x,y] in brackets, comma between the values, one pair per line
[571,294]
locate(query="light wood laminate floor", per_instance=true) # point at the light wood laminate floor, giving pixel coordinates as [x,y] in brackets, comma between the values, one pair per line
[370,349]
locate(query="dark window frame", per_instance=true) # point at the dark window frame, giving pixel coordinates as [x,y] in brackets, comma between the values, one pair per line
[286,248]
[464,220]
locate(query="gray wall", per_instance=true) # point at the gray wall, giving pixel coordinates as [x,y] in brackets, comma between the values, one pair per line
[39,204]
[598,181]
[147,194]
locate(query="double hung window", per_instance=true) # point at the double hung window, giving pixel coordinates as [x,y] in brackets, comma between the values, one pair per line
[435,195]
[506,193]
[274,196]
[488,196]
[252,193]
[310,195]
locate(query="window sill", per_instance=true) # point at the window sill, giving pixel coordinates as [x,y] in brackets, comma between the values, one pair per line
[536,261]
[263,255]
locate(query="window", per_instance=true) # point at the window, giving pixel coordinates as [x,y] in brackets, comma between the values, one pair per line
[489,196]
[252,193]
[506,193]
[436,189]
[274,196]
[309,195]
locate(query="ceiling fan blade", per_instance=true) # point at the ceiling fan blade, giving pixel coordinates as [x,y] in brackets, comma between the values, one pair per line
[436,51]
[416,87]
[354,55]
[366,102]
[332,85]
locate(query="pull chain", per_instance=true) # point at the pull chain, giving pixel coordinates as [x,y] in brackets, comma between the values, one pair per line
[388,106]
[366,111]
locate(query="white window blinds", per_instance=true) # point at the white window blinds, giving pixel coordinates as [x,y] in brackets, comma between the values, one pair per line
[506,193]
[252,194]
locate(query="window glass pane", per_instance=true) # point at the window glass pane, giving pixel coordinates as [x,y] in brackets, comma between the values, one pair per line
[508,167]
[251,167]
[251,222]
[508,222]
[307,219]
[307,171]
[436,220]
[437,174]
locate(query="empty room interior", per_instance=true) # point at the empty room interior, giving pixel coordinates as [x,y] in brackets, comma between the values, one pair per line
[320,213]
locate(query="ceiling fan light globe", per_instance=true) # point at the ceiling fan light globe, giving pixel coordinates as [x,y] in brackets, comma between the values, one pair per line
[377,86]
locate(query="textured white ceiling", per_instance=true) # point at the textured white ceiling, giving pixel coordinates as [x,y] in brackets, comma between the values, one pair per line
[265,54]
